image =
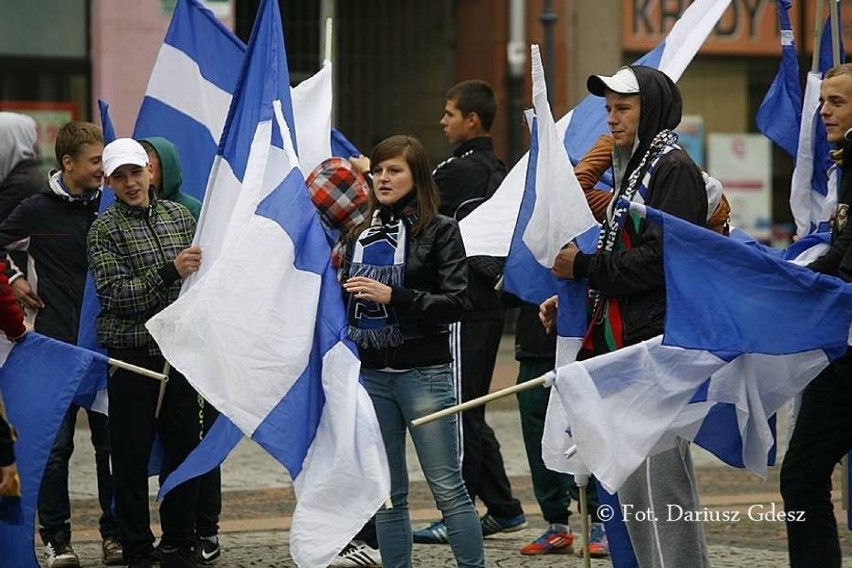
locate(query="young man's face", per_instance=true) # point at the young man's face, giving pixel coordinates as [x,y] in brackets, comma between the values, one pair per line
[457,127]
[86,171]
[130,184]
[835,95]
[623,113]
[156,171]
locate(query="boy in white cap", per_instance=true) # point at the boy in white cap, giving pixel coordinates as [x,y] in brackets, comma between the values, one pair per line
[139,251]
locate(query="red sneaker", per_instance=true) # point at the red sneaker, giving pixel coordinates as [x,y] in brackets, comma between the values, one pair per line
[551,542]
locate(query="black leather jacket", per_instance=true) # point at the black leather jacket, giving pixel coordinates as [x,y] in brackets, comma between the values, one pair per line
[433,297]
[837,261]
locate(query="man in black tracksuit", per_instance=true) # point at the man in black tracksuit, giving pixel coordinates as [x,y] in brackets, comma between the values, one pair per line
[51,228]
[466,180]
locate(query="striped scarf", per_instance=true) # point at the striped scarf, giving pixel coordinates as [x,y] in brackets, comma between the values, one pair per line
[605,331]
[379,253]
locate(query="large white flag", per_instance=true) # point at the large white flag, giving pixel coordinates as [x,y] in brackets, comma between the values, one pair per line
[261,332]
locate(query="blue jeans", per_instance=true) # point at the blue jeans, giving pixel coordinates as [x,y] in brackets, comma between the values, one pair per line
[398,399]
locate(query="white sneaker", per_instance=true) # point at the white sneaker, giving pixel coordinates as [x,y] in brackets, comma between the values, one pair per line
[60,555]
[357,554]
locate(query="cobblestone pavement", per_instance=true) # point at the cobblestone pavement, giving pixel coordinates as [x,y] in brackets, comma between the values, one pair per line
[258,502]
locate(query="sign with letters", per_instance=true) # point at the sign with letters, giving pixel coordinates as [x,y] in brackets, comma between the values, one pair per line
[746,27]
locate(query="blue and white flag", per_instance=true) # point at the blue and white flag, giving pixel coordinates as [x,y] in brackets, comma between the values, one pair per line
[813,189]
[773,327]
[275,357]
[39,379]
[780,113]
[190,90]
[488,230]
[553,208]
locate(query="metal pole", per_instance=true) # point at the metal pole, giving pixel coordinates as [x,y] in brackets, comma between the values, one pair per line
[818,23]
[516,57]
[835,32]
[548,19]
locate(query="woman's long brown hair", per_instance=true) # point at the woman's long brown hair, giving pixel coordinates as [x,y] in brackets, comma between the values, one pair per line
[425,190]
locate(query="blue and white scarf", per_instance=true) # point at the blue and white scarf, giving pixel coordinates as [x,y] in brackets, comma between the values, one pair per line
[379,253]
[636,189]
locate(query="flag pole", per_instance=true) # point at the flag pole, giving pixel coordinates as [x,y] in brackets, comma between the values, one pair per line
[835,32]
[818,23]
[167,368]
[329,27]
[502,393]
[138,370]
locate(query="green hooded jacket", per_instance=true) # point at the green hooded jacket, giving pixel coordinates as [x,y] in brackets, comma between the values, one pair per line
[171,176]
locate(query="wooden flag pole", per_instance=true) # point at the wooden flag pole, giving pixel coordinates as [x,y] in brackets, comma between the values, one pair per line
[167,368]
[537,382]
[329,28]
[138,370]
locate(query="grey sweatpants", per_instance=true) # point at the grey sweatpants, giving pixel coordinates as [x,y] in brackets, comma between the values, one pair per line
[656,499]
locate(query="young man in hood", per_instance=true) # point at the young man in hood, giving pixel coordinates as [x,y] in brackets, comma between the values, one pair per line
[166,175]
[627,284]
[50,228]
[20,174]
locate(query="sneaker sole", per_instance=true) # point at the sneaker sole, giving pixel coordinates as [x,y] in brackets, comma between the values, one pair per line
[511,529]
[566,550]
[64,563]
[581,553]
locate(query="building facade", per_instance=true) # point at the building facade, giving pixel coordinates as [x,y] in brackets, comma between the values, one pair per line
[394,59]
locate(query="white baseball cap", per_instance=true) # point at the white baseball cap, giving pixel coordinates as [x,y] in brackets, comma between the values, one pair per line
[623,82]
[123,151]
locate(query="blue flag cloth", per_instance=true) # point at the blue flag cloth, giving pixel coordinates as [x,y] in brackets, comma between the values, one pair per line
[773,326]
[190,90]
[780,113]
[106,122]
[39,380]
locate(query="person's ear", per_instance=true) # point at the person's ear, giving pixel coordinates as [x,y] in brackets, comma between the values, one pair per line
[473,120]
[67,162]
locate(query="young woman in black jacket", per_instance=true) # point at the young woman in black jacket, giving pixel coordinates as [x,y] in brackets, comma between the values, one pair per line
[407,275]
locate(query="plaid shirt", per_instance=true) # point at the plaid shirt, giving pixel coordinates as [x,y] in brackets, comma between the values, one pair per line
[130,253]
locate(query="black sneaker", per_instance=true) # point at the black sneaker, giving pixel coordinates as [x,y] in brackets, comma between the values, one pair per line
[207,549]
[59,554]
[178,558]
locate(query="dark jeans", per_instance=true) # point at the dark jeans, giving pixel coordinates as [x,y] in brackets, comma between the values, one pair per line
[54,506]
[132,402]
[482,465]
[368,533]
[209,505]
[822,436]
[553,490]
